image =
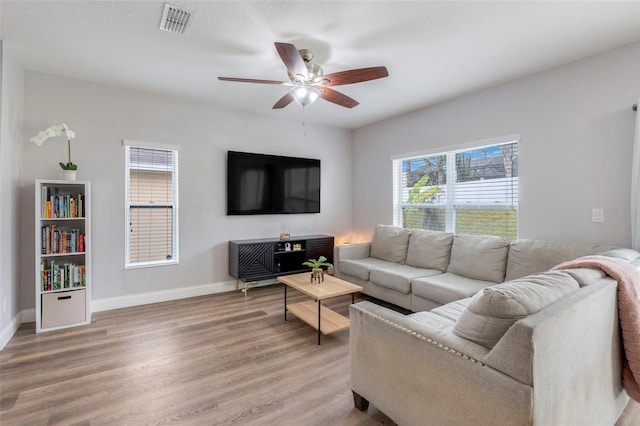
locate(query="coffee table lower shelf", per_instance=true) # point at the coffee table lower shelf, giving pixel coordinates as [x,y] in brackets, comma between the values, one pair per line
[308,312]
[321,318]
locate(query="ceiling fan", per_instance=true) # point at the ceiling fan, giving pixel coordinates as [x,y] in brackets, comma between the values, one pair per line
[308,82]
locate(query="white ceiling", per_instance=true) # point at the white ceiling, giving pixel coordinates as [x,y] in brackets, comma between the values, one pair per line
[434,51]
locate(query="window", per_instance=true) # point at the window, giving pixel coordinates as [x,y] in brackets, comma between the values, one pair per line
[471,191]
[151,188]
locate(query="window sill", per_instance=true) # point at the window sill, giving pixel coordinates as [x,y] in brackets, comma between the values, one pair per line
[151,264]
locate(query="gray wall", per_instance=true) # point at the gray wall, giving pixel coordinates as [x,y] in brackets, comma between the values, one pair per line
[575,121]
[11,89]
[103,116]
[576,125]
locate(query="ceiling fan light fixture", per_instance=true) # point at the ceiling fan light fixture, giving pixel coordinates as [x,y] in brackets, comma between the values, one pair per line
[305,95]
[308,82]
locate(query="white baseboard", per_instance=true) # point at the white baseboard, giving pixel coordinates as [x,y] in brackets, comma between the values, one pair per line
[10,329]
[29,315]
[161,296]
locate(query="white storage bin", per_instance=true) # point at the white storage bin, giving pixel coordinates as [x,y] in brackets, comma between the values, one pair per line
[63,308]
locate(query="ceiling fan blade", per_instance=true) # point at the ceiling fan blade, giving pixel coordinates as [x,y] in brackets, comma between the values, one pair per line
[292,60]
[354,76]
[284,101]
[337,98]
[250,80]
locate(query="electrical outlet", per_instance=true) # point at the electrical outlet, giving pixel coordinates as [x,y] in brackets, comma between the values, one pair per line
[597,215]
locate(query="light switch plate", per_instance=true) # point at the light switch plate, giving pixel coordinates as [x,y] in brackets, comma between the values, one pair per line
[597,215]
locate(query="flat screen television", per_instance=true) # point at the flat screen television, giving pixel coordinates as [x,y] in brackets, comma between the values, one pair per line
[271,184]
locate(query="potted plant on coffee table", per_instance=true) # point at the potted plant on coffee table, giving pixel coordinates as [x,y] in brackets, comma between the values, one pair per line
[316,267]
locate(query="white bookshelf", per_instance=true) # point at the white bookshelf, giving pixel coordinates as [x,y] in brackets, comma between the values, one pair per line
[63,254]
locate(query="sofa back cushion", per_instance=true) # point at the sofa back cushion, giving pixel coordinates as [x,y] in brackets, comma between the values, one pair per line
[390,243]
[481,257]
[626,254]
[528,257]
[429,249]
[494,309]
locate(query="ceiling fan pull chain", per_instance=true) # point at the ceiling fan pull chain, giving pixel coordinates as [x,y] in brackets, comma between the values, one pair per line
[304,121]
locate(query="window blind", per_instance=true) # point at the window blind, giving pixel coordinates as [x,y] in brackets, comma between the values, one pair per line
[152,206]
[472,191]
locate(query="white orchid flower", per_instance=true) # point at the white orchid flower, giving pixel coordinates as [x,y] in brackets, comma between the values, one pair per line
[57,130]
[37,140]
[52,131]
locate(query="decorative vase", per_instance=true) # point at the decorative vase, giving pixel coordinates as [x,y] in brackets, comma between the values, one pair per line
[70,175]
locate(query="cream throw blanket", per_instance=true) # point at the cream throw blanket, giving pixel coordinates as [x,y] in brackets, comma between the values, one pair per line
[628,279]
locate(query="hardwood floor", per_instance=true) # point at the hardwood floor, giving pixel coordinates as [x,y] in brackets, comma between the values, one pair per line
[219,359]
[211,360]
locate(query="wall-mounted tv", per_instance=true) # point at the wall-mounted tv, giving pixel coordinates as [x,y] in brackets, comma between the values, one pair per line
[271,184]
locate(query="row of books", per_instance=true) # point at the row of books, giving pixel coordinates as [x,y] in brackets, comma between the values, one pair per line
[55,276]
[57,240]
[56,204]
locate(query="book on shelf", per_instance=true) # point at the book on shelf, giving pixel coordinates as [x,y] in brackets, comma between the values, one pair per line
[57,204]
[57,276]
[61,240]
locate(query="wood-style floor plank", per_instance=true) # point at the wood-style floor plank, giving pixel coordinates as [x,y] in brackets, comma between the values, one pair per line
[222,359]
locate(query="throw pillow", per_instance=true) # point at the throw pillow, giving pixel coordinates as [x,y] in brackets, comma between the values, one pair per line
[494,309]
[390,243]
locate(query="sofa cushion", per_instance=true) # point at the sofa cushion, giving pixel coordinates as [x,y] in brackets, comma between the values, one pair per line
[360,268]
[482,257]
[429,249]
[398,277]
[453,310]
[494,309]
[439,327]
[432,320]
[586,276]
[528,257]
[626,254]
[447,287]
[390,243]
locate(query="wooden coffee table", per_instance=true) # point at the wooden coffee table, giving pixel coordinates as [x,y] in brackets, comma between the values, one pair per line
[324,319]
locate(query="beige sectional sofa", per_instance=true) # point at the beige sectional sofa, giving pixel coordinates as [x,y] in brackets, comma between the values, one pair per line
[420,270]
[506,341]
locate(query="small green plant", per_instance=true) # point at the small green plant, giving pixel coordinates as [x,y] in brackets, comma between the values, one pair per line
[69,166]
[316,264]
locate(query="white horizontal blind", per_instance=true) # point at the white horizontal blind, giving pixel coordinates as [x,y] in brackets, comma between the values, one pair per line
[152,206]
[472,191]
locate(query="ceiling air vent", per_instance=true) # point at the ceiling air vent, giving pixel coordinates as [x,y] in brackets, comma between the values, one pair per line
[174,19]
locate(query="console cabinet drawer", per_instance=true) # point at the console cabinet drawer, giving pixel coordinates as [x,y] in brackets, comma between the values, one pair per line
[63,308]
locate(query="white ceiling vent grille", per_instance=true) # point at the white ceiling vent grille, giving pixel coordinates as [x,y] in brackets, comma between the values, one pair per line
[174,19]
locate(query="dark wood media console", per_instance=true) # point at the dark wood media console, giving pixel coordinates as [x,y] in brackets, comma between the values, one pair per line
[268,258]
